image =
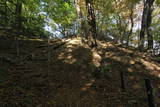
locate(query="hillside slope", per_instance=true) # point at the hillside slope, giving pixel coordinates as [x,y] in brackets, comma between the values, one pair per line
[76,76]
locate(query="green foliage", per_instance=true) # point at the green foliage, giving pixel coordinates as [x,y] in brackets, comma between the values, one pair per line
[32,21]
[156,25]
[112,16]
[158,2]
[61,12]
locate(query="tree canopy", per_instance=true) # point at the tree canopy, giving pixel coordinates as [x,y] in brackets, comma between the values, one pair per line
[121,20]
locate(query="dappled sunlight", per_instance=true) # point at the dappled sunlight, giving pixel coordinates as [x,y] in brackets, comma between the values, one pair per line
[70,50]
[105,44]
[133,59]
[96,58]
[73,41]
[70,73]
[88,85]
[74,53]
[131,77]
[155,73]
[109,54]
[35,39]
[79,53]
[151,66]
[132,62]
[130,70]
[125,50]
[117,58]
[70,46]
[137,86]
[136,63]
[67,58]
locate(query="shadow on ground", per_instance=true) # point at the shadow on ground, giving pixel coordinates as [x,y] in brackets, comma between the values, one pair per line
[78,76]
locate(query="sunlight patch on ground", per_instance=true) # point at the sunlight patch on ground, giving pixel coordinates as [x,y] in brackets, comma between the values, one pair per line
[109,54]
[88,85]
[67,58]
[73,41]
[130,70]
[96,58]
[126,50]
[36,39]
[69,46]
[136,86]
[131,77]
[116,58]
[67,55]
[153,67]
[104,44]
[83,53]
[132,62]
[150,65]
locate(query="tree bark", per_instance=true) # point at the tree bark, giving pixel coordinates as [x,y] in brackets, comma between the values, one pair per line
[146,23]
[92,24]
[19,15]
[79,14]
[149,90]
[132,24]
[149,21]
[6,21]
[18,22]
[143,26]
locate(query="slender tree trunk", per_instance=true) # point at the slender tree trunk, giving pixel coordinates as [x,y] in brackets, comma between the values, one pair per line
[92,24]
[19,15]
[81,22]
[143,26]
[132,24]
[18,12]
[120,29]
[149,21]
[79,14]
[6,21]
[17,47]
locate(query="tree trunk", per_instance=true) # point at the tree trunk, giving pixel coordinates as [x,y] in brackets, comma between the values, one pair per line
[6,21]
[120,29]
[132,24]
[149,21]
[143,26]
[79,14]
[19,15]
[92,24]
[146,22]
[81,22]
[18,22]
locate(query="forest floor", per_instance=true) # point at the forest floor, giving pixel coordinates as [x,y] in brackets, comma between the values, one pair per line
[75,75]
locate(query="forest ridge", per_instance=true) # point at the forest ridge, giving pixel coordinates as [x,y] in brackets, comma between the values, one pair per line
[79,53]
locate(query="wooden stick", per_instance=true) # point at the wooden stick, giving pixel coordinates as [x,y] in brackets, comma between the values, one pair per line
[149,93]
[122,81]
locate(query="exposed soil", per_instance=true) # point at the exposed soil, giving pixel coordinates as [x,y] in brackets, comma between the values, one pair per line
[75,76]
